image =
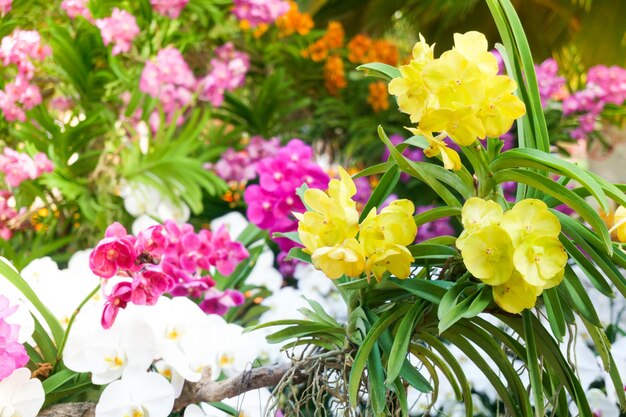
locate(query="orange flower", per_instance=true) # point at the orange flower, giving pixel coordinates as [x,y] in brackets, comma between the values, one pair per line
[334,35]
[334,75]
[385,52]
[293,21]
[358,49]
[317,51]
[378,97]
[332,39]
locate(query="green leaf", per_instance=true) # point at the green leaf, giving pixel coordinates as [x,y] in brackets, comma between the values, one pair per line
[225,408]
[590,270]
[408,371]
[251,234]
[376,375]
[383,189]
[452,310]
[478,359]
[436,213]
[579,296]
[401,341]
[293,236]
[417,171]
[532,158]
[379,70]
[533,365]
[362,355]
[375,169]
[554,309]
[44,343]
[298,253]
[425,250]
[58,380]
[456,367]
[429,290]
[553,357]
[19,282]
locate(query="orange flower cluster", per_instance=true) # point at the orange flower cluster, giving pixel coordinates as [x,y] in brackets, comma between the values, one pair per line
[258,31]
[332,39]
[363,49]
[294,22]
[334,74]
[378,97]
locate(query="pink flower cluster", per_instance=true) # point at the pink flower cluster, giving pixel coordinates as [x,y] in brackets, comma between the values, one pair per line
[75,8]
[21,49]
[169,8]
[12,353]
[189,254]
[5,7]
[18,167]
[272,202]
[118,29]
[165,258]
[549,82]
[7,213]
[241,166]
[228,72]
[257,12]
[605,85]
[169,79]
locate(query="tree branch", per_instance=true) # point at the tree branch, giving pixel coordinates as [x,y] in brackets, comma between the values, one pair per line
[206,390]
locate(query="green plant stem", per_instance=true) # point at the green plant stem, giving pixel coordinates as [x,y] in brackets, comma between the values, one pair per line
[477,156]
[71,322]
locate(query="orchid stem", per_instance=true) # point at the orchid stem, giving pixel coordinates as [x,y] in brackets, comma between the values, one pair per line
[71,322]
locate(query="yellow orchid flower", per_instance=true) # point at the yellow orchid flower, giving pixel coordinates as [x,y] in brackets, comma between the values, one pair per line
[488,255]
[619,223]
[396,259]
[347,258]
[515,295]
[316,230]
[474,47]
[539,259]
[500,107]
[342,190]
[334,217]
[476,214]
[462,125]
[409,88]
[530,217]
[450,157]
[393,226]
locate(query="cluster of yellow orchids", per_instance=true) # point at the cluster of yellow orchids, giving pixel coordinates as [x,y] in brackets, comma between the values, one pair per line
[339,245]
[517,252]
[459,95]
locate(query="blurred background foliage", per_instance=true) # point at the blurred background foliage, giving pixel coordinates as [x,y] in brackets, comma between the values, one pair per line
[576,32]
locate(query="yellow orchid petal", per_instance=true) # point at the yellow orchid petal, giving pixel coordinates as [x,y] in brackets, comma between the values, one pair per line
[530,217]
[515,295]
[539,259]
[488,255]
